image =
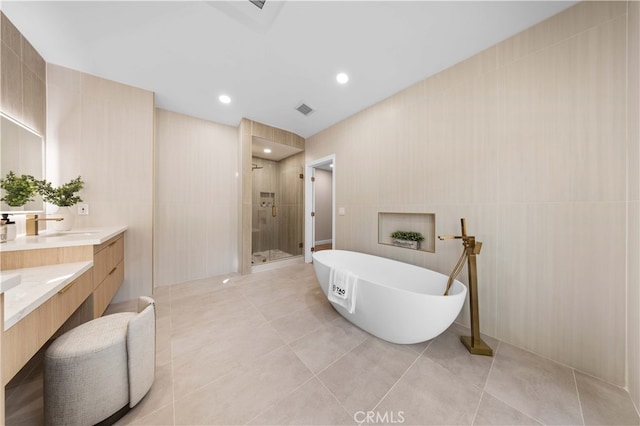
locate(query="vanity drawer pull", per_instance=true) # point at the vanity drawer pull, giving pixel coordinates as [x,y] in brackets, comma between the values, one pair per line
[66,287]
[113,270]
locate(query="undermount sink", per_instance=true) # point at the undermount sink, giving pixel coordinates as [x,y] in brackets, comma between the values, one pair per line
[68,235]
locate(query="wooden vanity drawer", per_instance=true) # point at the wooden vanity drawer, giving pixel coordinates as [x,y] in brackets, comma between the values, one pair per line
[108,288]
[26,337]
[106,257]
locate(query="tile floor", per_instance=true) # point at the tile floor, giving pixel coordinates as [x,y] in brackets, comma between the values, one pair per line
[267,349]
[268,256]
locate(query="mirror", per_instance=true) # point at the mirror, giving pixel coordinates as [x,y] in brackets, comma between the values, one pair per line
[21,150]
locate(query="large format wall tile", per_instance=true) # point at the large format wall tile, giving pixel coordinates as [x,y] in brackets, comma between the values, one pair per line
[530,141]
[633,254]
[23,93]
[97,129]
[196,201]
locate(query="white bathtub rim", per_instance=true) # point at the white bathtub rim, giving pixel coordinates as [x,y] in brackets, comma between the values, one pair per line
[458,287]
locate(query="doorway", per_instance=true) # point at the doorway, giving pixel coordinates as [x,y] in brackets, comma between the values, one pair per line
[319,205]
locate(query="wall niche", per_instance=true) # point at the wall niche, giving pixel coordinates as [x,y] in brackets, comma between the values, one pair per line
[424,223]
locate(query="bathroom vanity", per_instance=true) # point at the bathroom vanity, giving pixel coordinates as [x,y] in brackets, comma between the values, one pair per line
[65,279]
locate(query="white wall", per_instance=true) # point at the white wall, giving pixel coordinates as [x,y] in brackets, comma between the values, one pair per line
[196,198]
[103,131]
[528,141]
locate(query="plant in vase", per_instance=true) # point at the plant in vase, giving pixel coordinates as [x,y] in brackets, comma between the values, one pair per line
[18,191]
[408,239]
[64,196]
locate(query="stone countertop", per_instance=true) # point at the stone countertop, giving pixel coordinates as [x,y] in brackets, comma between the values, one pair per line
[38,285]
[54,239]
[9,280]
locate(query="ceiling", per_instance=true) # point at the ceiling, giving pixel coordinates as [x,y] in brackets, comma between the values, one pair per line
[276,151]
[269,61]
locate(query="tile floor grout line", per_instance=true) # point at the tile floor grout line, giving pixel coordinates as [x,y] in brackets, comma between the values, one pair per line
[484,387]
[288,345]
[282,398]
[300,309]
[401,376]
[575,383]
[493,361]
[317,375]
[202,386]
[485,391]
[333,395]
[475,415]
[343,355]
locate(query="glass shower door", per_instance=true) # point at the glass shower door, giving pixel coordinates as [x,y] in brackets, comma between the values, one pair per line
[278,205]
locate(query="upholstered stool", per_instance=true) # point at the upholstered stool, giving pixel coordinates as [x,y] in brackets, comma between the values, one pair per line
[96,369]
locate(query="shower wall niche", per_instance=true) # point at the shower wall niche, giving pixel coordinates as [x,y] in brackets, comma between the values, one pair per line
[277,208]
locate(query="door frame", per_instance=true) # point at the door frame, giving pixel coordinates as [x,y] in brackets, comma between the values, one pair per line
[309,203]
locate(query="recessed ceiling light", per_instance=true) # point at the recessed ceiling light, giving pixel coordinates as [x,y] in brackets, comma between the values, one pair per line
[342,78]
[224,99]
[267,151]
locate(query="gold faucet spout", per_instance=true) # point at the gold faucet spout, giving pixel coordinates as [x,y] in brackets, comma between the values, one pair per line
[32,223]
[450,237]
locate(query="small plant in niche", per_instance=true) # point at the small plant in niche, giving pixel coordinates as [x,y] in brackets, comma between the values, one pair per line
[62,196]
[18,190]
[408,239]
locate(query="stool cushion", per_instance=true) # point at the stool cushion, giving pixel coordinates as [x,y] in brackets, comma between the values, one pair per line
[141,345]
[85,377]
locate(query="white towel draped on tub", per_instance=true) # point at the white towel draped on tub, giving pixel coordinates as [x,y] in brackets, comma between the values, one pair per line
[343,288]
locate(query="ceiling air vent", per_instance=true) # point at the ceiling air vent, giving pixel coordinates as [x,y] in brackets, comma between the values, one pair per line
[258,3]
[304,109]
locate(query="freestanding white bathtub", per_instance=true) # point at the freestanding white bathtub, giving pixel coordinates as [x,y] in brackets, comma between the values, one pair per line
[395,301]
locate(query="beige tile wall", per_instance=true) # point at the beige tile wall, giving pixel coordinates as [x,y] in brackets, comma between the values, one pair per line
[23,82]
[103,131]
[633,253]
[527,140]
[196,206]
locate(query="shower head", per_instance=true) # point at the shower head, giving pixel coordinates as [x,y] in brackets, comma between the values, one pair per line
[255,167]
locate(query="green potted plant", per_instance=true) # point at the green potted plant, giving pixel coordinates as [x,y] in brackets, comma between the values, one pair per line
[407,239]
[18,190]
[63,196]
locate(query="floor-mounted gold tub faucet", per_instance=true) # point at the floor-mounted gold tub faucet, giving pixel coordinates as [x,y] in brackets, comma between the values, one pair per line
[472,248]
[32,223]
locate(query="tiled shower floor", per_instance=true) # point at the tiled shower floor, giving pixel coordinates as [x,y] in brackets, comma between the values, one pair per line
[268,256]
[267,349]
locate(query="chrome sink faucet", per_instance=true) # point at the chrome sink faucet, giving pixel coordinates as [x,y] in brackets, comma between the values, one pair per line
[32,223]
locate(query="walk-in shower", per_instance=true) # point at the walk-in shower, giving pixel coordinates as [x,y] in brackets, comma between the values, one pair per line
[278,206]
